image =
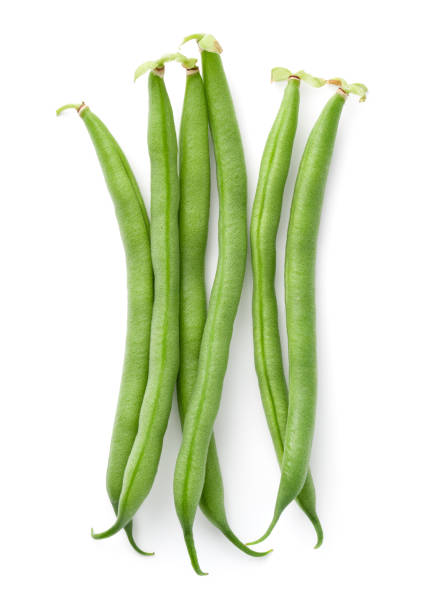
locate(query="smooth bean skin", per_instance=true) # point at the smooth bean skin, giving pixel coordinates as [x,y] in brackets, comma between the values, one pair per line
[190,468]
[264,225]
[193,228]
[194,174]
[134,229]
[143,461]
[300,302]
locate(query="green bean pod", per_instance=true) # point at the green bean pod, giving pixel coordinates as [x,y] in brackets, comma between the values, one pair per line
[300,302]
[135,232]
[143,461]
[264,225]
[194,175]
[193,228]
[190,470]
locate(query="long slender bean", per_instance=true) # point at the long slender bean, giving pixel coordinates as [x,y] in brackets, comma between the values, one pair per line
[143,461]
[264,225]
[193,228]
[134,228]
[190,468]
[300,300]
[194,175]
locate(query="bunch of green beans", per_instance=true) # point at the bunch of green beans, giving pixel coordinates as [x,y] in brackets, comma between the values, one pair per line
[135,232]
[264,225]
[194,167]
[175,336]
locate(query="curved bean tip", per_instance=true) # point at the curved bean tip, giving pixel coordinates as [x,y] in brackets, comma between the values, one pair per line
[108,533]
[140,551]
[319,531]
[319,538]
[266,552]
[243,547]
[266,534]
[129,533]
[189,542]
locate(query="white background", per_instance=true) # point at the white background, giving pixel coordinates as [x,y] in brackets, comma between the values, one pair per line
[63,312]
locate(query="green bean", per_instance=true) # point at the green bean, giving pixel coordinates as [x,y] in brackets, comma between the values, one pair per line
[193,228]
[264,225]
[194,175]
[300,301]
[134,229]
[190,468]
[143,461]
